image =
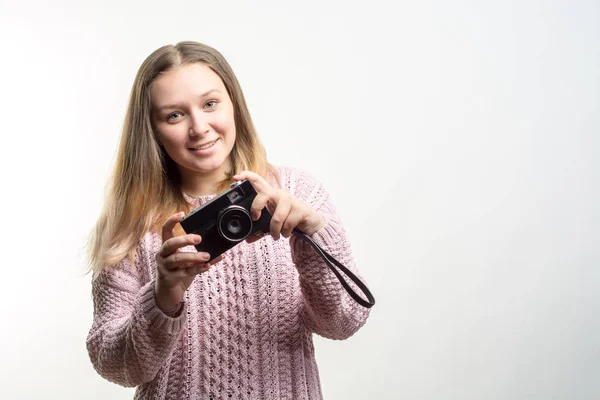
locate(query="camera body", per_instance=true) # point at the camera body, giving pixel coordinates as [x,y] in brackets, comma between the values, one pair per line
[225,220]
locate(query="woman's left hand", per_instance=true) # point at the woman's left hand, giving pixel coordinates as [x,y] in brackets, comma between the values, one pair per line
[287,212]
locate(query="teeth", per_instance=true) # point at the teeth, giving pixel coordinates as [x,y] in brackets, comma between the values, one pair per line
[206,146]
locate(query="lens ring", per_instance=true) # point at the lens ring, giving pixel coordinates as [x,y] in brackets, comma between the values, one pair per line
[234,223]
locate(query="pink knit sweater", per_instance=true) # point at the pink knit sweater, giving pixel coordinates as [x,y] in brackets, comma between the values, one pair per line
[246,328]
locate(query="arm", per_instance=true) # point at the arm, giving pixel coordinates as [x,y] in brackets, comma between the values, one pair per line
[328,309]
[130,338]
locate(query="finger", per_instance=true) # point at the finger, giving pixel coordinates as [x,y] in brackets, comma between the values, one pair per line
[184,259]
[259,202]
[281,213]
[216,260]
[294,218]
[259,183]
[253,238]
[169,225]
[179,274]
[191,271]
[172,245]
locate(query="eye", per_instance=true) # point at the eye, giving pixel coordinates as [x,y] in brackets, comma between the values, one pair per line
[211,102]
[170,116]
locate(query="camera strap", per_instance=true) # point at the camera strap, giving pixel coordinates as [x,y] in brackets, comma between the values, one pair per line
[332,263]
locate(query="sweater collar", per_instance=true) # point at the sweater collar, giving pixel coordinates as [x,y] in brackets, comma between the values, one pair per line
[197,201]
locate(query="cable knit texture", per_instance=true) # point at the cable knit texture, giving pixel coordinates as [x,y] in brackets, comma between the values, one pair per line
[245,330]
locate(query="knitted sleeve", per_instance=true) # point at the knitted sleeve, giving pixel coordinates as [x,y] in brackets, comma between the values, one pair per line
[130,338]
[328,309]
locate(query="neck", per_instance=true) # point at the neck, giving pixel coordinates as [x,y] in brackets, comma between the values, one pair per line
[196,184]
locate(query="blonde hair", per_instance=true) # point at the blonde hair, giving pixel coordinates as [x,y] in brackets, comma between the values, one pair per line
[144,188]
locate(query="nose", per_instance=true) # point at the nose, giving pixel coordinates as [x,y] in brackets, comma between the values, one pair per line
[199,124]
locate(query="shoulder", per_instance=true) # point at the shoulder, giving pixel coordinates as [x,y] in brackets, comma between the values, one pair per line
[302,184]
[134,266]
[150,243]
[142,256]
[293,178]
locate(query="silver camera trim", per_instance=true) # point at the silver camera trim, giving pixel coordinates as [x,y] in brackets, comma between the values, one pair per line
[229,209]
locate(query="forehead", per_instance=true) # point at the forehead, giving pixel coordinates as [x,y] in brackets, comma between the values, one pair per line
[184,82]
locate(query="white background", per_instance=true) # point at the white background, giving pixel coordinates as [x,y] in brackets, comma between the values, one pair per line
[460,141]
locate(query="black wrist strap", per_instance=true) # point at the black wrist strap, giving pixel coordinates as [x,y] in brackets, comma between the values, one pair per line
[332,263]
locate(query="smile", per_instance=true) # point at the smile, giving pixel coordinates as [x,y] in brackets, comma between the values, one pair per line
[205,146]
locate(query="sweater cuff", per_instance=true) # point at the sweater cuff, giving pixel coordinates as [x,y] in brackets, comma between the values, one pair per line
[157,320]
[329,237]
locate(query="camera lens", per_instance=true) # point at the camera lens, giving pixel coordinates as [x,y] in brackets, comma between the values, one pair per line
[234,223]
[234,226]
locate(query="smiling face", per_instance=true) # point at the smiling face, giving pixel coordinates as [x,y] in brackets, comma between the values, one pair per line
[194,119]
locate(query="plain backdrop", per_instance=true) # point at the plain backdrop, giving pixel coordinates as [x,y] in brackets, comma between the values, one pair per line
[459,140]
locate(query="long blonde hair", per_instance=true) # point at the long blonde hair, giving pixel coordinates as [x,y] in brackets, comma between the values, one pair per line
[144,188]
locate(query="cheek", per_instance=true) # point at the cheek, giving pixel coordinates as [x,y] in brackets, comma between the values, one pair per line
[226,117]
[226,125]
[171,135]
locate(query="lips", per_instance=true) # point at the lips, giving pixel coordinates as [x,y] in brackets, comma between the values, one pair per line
[205,145]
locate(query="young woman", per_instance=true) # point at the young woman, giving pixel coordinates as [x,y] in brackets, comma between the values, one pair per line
[167,321]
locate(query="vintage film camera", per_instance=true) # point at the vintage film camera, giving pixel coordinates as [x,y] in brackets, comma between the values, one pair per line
[225,220]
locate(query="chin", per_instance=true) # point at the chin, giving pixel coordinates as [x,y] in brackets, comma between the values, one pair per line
[209,167]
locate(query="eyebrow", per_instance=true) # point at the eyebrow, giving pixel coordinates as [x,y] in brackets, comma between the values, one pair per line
[169,106]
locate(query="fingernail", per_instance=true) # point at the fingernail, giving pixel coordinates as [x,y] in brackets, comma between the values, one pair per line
[204,256]
[197,238]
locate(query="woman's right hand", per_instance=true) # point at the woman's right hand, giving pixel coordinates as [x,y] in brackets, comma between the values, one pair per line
[176,270]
